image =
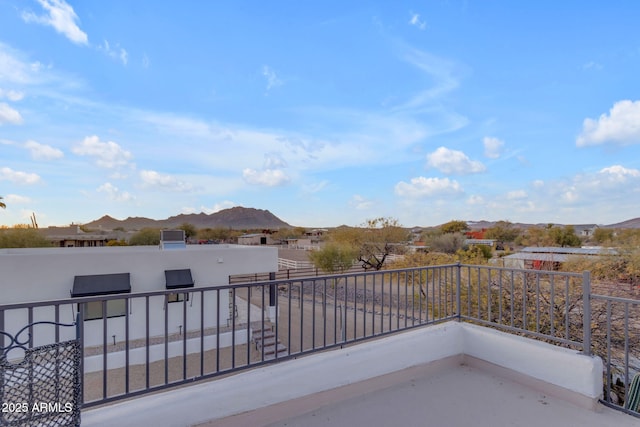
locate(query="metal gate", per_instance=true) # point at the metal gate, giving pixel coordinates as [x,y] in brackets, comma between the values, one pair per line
[42,388]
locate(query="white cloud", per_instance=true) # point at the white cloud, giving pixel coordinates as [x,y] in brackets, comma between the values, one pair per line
[619,173]
[362,138]
[516,194]
[475,200]
[360,203]
[154,180]
[107,154]
[14,199]
[11,95]
[426,187]
[42,151]
[614,189]
[225,204]
[570,195]
[9,115]
[117,52]
[18,177]
[61,17]
[492,147]
[538,183]
[271,174]
[592,65]
[440,70]
[621,126]
[272,78]
[36,67]
[11,68]
[16,70]
[453,162]
[114,193]
[417,22]
[146,62]
[315,187]
[274,161]
[124,56]
[266,177]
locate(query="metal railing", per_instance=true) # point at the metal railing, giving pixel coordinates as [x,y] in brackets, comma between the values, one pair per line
[143,342]
[546,305]
[616,339]
[285,273]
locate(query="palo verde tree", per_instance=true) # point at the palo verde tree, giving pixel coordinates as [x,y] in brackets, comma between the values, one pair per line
[449,238]
[448,243]
[503,231]
[454,226]
[550,235]
[381,236]
[334,257]
[190,230]
[603,236]
[535,236]
[22,236]
[374,240]
[146,237]
[218,234]
[565,236]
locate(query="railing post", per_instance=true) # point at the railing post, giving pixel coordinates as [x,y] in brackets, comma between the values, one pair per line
[80,339]
[272,298]
[458,288]
[586,320]
[1,329]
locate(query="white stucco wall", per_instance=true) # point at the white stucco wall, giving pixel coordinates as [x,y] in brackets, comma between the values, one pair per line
[47,273]
[551,364]
[44,274]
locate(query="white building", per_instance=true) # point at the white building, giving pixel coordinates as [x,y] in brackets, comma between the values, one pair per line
[256,239]
[45,274]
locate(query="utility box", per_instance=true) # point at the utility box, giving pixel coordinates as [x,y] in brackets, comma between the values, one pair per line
[172,239]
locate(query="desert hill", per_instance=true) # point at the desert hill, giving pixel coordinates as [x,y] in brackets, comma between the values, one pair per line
[237,218]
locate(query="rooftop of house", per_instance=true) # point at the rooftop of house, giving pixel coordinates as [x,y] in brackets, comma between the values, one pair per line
[592,250]
[117,249]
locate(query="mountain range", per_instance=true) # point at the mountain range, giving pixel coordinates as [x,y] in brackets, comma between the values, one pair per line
[237,218]
[630,223]
[241,218]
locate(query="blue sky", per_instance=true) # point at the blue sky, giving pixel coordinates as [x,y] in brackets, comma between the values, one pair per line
[324,113]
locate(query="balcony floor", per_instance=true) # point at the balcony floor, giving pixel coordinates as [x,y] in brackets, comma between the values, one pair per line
[458,395]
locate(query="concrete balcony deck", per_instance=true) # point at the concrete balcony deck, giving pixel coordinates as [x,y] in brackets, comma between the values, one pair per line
[452,374]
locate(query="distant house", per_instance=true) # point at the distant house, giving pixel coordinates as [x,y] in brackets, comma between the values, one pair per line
[418,247]
[549,258]
[416,234]
[585,230]
[73,236]
[256,239]
[483,242]
[476,234]
[316,232]
[300,244]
